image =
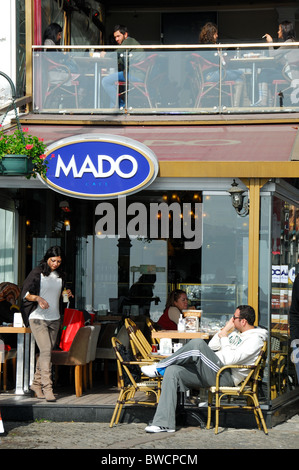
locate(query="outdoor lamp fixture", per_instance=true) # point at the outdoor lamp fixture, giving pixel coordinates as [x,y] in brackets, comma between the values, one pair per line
[241,207]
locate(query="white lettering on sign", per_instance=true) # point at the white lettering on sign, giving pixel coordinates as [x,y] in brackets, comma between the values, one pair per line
[89,167]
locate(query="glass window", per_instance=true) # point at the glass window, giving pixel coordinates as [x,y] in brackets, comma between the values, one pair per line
[7,244]
[284,252]
[224,275]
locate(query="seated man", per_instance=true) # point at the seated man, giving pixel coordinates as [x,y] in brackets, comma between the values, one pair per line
[122,37]
[196,364]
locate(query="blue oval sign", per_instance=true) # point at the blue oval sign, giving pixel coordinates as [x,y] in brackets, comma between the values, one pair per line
[97,166]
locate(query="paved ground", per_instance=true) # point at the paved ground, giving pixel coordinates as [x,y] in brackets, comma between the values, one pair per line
[51,435]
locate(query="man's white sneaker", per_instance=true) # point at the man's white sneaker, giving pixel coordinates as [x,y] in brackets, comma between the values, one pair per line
[150,371]
[153,428]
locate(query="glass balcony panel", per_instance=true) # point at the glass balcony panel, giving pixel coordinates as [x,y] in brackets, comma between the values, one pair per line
[193,80]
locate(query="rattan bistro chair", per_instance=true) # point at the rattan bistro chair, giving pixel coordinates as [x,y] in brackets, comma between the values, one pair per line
[152,329]
[248,389]
[141,348]
[144,392]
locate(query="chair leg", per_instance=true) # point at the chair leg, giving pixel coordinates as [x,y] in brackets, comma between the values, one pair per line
[78,380]
[258,410]
[217,410]
[84,377]
[90,374]
[5,375]
[210,403]
[114,414]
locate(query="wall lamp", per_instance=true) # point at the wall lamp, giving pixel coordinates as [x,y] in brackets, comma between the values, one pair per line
[241,206]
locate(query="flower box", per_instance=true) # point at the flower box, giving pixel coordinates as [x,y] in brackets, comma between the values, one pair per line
[22,154]
[16,165]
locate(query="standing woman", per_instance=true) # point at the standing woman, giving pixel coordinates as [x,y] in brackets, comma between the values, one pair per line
[40,307]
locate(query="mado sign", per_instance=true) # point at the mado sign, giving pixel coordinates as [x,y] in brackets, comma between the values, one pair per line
[99,166]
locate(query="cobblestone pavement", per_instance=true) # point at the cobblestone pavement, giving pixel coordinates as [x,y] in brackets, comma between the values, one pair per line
[74,435]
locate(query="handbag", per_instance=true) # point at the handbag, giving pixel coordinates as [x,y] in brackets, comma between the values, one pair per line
[73,320]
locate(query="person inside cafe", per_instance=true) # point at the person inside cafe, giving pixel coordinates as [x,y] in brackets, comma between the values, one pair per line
[41,298]
[209,35]
[177,301]
[9,294]
[294,324]
[282,58]
[110,82]
[141,293]
[196,364]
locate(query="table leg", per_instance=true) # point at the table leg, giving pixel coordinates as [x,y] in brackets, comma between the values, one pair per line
[32,359]
[20,364]
[25,362]
[95,85]
[253,82]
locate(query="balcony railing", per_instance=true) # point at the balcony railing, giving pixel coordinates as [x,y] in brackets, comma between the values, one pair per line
[167,79]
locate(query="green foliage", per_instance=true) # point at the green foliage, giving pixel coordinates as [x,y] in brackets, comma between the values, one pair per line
[21,143]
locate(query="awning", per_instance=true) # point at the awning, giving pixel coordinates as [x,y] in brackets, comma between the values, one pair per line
[271,142]
[266,151]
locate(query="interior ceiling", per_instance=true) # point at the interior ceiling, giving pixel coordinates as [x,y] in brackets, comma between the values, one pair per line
[211,5]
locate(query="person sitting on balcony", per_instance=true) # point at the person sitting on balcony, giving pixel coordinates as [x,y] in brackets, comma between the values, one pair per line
[209,35]
[282,57]
[110,82]
[196,364]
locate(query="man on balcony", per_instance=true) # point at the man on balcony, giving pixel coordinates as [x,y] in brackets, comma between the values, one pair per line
[111,82]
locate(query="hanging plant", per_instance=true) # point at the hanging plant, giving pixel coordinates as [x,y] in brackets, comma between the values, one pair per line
[19,145]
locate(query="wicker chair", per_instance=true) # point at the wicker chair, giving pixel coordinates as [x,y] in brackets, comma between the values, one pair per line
[140,346]
[151,327]
[129,389]
[248,389]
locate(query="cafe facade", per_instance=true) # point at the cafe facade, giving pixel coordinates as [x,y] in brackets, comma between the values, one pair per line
[143,204]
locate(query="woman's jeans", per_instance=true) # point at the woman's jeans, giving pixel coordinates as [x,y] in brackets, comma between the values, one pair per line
[45,334]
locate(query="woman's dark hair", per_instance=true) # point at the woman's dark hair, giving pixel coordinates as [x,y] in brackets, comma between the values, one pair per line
[207,33]
[173,297]
[51,32]
[52,252]
[288,31]
[247,312]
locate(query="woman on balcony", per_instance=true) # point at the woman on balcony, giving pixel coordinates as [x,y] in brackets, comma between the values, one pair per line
[209,35]
[287,59]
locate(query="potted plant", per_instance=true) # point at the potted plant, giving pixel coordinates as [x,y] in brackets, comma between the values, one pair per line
[22,154]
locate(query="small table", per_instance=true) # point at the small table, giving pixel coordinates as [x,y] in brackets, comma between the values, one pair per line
[98,64]
[25,357]
[174,334]
[253,61]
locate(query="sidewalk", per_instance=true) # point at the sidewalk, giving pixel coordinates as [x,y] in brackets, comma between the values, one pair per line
[76,435]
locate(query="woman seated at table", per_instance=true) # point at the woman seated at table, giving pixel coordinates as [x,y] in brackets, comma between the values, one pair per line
[209,35]
[283,57]
[177,302]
